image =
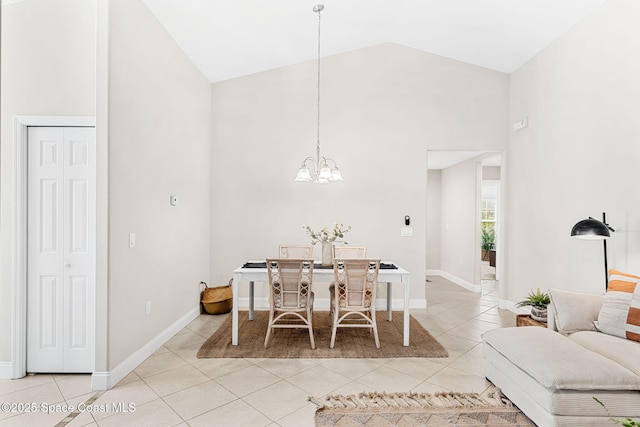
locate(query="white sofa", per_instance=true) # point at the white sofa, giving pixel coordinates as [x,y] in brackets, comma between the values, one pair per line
[552,374]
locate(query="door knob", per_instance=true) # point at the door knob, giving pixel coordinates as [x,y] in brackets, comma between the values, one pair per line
[67,264]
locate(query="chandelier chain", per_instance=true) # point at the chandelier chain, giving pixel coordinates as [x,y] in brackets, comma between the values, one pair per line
[320,170]
[318,90]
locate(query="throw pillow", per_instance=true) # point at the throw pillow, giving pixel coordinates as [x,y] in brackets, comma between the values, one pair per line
[574,311]
[633,317]
[619,281]
[612,318]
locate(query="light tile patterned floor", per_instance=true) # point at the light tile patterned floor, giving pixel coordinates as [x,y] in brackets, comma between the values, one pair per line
[174,388]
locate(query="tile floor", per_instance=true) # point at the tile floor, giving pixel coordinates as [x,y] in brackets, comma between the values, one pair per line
[173,388]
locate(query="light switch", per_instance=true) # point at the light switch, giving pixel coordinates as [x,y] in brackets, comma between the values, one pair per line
[132,240]
[406,231]
[173,200]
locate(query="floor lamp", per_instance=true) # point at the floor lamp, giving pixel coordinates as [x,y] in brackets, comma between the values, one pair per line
[592,229]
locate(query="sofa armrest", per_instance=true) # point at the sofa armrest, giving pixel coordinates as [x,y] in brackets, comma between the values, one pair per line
[573,311]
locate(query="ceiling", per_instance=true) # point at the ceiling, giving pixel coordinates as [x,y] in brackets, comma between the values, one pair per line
[226,39]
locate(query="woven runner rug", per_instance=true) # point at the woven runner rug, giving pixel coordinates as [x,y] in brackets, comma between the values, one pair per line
[294,343]
[418,409]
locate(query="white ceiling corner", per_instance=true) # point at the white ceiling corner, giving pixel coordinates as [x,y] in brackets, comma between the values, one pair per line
[227,39]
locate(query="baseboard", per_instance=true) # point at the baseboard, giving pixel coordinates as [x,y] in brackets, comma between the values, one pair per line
[6,370]
[322,304]
[461,282]
[106,380]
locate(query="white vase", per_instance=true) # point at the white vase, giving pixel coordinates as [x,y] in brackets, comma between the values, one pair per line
[539,314]
[327,253]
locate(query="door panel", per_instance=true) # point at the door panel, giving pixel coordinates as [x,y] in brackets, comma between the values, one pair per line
[48,319]
[79,211]
[61,249]
[49,216]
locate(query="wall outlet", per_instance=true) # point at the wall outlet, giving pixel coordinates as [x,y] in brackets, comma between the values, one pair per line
[147,308]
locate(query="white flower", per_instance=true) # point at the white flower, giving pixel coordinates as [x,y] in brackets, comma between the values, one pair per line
[326,235]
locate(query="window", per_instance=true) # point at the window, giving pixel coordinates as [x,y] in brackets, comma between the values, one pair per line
[489,209]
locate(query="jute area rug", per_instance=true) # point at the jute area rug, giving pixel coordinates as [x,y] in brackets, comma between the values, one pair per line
[418,409]
[292,343]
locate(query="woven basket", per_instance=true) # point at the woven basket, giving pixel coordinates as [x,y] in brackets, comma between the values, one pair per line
[216,300]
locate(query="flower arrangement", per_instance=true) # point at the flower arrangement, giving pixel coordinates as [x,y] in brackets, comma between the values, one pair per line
[326,235]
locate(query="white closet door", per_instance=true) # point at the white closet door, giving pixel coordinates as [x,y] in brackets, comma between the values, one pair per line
[61,249]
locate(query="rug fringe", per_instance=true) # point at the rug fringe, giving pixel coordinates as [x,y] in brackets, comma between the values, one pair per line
[374,399]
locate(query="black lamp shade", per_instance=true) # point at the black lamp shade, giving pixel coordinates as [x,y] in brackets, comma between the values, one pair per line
[590,229]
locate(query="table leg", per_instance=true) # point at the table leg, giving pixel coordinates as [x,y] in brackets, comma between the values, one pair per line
[389,304]
[405,340]
[250,300]
[234,310]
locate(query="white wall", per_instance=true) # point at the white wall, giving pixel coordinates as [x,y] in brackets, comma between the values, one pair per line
[48,68]
[382,108]
[460,223]
[159,145]
[579,156]
[434,201]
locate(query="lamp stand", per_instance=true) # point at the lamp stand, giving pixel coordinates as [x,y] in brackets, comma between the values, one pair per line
[606,267]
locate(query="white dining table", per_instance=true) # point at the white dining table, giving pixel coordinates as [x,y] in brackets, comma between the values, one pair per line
[251,275]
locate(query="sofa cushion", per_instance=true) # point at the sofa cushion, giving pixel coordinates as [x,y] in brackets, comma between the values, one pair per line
[574,311]
[537,401]
[622,351]
[558,362]
[633,317]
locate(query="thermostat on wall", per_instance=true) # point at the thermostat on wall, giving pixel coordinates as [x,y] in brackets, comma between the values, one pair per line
[520,124]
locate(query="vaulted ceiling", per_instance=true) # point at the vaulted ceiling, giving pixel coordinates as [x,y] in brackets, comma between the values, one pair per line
[226,39]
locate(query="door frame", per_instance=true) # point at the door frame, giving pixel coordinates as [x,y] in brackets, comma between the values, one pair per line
[19,279]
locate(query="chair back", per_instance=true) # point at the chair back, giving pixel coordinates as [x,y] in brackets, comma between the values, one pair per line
[297,252]
[290,283]
[355,282]
[349,252]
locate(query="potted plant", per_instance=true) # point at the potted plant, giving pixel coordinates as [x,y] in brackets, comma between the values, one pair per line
[488,242]
[538,301]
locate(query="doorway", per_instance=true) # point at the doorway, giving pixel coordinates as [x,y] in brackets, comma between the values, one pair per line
[62,314]
[60,249]
[454,215]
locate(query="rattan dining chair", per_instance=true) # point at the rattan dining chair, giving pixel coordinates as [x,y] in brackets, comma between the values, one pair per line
[354,297]
[290,295]
[344,252]
[297,252]
[349,252]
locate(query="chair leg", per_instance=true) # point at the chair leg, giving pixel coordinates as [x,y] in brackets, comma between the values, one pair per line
[375,327]
[334,326]
[310,319]
[269,327]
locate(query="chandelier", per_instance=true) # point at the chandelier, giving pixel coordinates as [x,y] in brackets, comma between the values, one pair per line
[317,169]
